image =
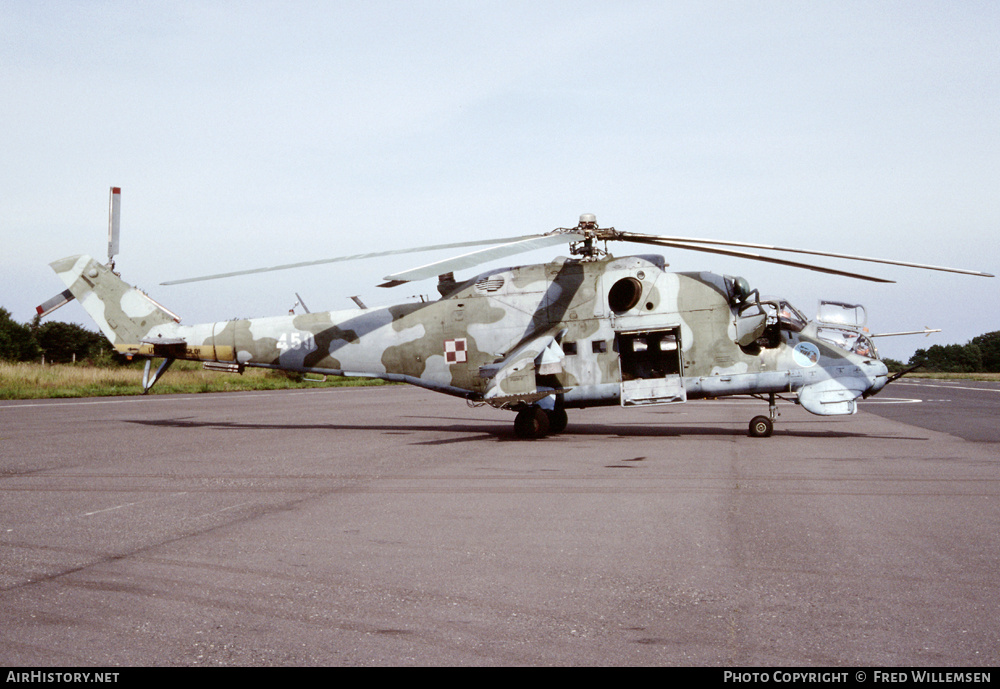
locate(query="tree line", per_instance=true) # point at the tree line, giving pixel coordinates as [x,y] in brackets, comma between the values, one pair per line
[57,342]
[980,355]
[63,343]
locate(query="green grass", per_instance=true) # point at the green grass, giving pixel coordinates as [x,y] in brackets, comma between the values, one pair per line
[20,381]
[954,376]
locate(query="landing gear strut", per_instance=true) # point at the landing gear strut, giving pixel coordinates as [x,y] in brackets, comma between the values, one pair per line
[763,426]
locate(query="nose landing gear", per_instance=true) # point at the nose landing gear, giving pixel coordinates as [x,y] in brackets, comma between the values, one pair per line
[763,426]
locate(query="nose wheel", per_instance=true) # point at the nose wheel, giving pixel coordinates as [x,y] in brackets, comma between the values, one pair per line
[763,426]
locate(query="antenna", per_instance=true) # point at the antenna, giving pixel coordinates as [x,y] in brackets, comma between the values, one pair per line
[302,303]
[114,213]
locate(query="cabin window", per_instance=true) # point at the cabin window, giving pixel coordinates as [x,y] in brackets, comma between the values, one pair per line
[599,346]
[569,348]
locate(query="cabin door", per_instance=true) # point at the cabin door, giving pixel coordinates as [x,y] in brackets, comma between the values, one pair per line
[651,367]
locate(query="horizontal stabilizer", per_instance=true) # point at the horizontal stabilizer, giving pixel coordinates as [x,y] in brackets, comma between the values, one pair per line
[165,341]
[163,346]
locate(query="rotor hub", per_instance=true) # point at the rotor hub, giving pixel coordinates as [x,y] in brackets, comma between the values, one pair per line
[589,228]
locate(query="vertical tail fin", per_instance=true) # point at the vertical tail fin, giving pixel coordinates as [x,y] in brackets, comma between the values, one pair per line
[123,313]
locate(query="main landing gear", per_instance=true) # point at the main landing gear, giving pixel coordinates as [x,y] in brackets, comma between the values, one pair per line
[763,426]
[534,422]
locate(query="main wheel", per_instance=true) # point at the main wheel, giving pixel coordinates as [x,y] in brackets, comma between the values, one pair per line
[557,420]
[531,423]
[761,427]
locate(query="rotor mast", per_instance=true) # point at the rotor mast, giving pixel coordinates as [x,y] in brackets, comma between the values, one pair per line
[591,232]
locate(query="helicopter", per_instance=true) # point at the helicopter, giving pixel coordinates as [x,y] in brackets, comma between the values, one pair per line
[586,330]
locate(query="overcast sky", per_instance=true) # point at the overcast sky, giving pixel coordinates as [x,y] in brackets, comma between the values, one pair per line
[245,134]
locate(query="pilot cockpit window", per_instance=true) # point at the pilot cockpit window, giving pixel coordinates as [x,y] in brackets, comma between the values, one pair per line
[848,339]
[788,316]
[865,347]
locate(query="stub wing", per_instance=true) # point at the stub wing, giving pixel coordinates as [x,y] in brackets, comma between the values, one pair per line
[513,380]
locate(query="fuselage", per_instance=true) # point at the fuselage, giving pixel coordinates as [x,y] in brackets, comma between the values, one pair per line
[584,330]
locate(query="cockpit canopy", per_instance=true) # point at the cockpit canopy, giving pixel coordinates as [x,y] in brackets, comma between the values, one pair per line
[848,339]
[837,323]
[782,312]
[843,325]
[839,313]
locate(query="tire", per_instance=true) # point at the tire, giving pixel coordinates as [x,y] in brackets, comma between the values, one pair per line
[761,427]
[531,423]
[557,420]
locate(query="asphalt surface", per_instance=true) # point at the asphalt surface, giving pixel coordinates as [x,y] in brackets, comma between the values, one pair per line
[968,409]
[392,526]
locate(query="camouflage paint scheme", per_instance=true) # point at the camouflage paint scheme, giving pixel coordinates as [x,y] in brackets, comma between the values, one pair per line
[545,335]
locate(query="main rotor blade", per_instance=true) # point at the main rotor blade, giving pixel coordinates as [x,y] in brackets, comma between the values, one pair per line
[475,258]
[633,237]
[662,241]
[376,254]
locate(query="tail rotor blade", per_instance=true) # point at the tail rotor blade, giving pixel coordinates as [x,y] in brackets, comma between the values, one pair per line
[114,222]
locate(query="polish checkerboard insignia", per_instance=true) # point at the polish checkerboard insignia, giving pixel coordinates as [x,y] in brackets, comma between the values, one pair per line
[456,351]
